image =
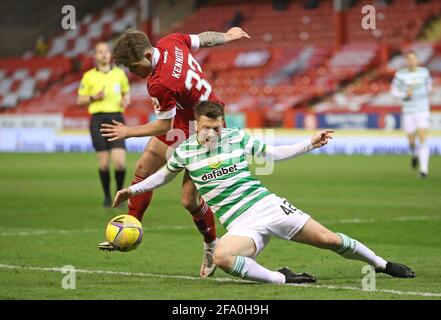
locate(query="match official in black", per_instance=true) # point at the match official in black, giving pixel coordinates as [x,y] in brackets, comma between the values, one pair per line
[105,89]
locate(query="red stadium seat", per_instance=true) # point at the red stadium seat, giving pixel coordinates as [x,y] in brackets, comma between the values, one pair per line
[301,65]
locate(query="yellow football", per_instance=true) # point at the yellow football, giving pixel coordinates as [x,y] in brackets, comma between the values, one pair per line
[124,232]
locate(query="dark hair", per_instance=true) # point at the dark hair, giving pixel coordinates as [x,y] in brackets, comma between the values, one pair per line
[131,47]
[210,109]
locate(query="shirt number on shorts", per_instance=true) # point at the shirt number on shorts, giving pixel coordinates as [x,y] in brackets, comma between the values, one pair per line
[191,74]
[288,208]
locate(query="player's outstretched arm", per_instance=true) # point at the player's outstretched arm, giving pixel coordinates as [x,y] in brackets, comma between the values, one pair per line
[156,180]
[212,38]
[321,138]
[119,131]
[278,153]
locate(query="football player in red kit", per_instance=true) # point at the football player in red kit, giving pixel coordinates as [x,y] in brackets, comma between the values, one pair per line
[176,85]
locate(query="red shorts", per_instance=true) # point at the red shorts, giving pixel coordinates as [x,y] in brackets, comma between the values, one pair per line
[183,127]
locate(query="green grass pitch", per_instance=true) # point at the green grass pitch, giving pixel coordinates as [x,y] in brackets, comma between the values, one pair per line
[51,216]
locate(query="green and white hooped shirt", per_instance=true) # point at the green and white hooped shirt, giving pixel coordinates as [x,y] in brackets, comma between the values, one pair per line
[420,82]
[221,174]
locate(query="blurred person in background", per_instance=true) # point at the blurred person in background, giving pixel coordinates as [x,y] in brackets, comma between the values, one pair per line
[412,86]
[105,90]
[237,20]
[41,46]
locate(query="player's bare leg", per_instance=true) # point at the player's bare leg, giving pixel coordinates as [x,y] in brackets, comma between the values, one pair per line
[423,152]
[203,218]
[411,137]
[151,160]
[314,234]
[234,254]
[103,165]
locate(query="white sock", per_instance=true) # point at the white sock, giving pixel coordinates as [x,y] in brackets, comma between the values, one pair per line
[210,245]
[423,155]
[249,269]
[353,249]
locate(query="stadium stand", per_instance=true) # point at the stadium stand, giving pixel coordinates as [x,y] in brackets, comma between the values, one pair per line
[290,64]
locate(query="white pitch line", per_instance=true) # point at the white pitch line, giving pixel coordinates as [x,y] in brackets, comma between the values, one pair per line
[422,294]
[120,273]
[177,277]
[341,221]
[54,231]
[396,219]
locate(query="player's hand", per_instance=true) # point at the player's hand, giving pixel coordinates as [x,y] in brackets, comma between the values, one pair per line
[236,33]
[99,95]
[321,138]
[409,93]
[121,196]
[115,131]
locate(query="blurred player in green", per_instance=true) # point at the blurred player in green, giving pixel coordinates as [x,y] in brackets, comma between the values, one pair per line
[412,86]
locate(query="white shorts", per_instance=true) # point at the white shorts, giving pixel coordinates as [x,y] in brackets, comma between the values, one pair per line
[414,121]
[271,216]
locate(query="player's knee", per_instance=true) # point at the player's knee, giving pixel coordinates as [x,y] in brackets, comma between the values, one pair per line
[119,166]
[190,201]
[223,259]
[329,240]
[103,166]
[139,166]
[142,169]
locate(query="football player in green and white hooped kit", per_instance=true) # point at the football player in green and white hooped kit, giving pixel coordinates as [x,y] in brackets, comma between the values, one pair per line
[215,158]
[412,86]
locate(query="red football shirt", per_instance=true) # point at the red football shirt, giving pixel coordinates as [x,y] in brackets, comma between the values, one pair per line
[178,83]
